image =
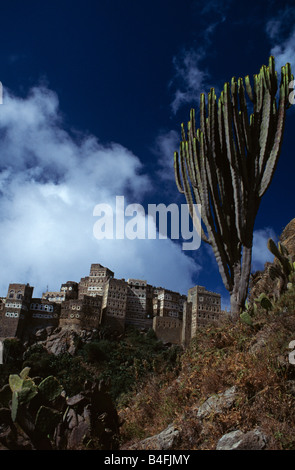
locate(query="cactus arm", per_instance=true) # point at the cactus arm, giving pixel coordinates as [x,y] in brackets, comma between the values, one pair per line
[227,165]
[264,136]
[177,173]
[274,154]
[187,189]
[232,157]
[249,88]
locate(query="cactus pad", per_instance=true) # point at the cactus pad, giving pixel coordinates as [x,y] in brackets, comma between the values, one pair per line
[50,388]
[46,420]
[15,382]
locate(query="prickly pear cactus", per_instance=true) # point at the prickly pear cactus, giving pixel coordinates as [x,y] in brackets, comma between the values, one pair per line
[50,388]
[5,395]
[28,392]
[246,318]
[25,373]
[46,420]
[14,405]
[264,302]
[15,382]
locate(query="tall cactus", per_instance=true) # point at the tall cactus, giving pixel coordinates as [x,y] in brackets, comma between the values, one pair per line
[227,165]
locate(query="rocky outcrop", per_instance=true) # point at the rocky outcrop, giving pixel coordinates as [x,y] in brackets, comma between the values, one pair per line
[288,238]
[86,420]
[238,440]
[261,281]
[165,440]
[90,415]
[61,340]
[216,404]
[171,437]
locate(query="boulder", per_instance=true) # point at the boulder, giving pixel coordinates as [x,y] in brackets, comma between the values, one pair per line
[238,440]
[217,403]
[165,440]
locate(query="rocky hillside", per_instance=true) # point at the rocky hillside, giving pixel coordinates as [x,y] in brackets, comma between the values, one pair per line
[261,281]
[233,388]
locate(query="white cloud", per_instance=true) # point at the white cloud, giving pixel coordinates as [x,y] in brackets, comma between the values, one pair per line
[260,252]
[166,144]
[191,76]
[281,32]
[50,182]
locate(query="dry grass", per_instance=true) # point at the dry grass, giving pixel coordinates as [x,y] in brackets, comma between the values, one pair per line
[255,360]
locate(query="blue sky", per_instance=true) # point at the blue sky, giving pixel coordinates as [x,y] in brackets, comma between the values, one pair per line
[94,95]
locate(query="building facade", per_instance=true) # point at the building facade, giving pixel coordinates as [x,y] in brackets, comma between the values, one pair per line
[102,300]
[15,312]
[206,307]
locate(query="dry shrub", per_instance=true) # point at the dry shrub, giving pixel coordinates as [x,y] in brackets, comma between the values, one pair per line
[218,358]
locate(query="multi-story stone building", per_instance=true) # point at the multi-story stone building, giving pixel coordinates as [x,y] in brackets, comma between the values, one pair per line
[168,303]
[70,288]
[206,307]
[168,307]
[54,296]
[43,314]
[81,314]
[139,310]
[15,312]
[100,299]
[95,283]
[114,302]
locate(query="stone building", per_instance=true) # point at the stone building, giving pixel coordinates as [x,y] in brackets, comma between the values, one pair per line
[95,283]
[54,296]
[139,310]
[167,303]
[114,302]
[81,314]
[68,290]
[206,307]
[15,311]
[168,307]
[186,330]
[43,314]
[101,299]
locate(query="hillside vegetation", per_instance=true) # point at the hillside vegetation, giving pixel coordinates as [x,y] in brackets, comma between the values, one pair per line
[124,392]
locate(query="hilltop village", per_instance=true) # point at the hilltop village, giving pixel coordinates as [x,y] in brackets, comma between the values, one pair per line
[102,300]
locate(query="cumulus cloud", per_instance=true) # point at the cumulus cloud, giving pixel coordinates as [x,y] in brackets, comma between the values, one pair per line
[260,252]
[165,146]
[281,32]
[50,181]
[192,76]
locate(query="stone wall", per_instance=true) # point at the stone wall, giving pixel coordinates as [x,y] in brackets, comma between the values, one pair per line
[82,314]
[43,314]
[168,329]
[114,304]
[15,310]
[206,307]
[186,333]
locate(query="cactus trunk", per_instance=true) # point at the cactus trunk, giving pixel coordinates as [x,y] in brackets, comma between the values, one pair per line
[227,165]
